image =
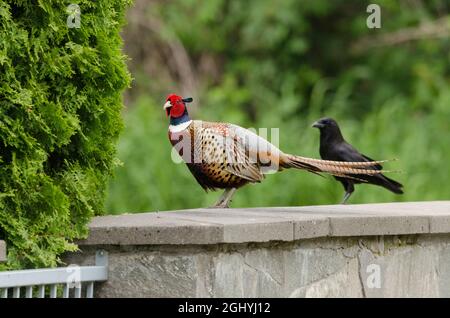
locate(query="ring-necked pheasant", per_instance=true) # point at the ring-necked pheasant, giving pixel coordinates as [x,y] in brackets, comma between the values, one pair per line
[226,156]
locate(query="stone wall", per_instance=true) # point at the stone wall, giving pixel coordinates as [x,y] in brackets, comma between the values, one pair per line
[376,250]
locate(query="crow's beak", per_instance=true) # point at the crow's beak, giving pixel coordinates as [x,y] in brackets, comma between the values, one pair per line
[168,104]
[318,124]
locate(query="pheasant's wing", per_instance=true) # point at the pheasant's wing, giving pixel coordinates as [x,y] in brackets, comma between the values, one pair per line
[230,149]
[267,156]
[239,161]
[255,151]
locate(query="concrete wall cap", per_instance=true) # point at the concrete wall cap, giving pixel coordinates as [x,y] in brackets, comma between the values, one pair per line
[243,225]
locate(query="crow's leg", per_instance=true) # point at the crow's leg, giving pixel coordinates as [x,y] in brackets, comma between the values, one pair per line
[349,188]
[346,197]
[225,198]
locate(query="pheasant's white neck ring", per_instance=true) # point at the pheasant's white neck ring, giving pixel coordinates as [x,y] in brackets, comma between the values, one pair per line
[180,127]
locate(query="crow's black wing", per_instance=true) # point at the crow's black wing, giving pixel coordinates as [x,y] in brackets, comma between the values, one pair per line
[378,166]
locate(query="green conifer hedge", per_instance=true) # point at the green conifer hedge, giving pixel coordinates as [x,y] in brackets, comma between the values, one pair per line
[60,105]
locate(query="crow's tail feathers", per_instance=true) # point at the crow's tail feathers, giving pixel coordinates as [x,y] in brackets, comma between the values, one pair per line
[391,185]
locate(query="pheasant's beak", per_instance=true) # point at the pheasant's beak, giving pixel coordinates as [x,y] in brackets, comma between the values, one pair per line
[318,124]
[167,106]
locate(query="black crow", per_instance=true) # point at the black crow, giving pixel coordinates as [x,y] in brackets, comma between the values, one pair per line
[334,147]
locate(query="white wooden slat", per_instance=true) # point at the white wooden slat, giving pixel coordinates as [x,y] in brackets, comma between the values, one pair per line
[66,291]
[41,291]
[90,290]
[53,291]
[29,292]
[78,292]
[16,292]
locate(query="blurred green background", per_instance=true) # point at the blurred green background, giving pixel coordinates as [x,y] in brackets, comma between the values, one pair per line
[285,64]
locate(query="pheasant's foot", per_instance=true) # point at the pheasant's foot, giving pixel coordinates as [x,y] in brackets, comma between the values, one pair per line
[220,206]
[225,199]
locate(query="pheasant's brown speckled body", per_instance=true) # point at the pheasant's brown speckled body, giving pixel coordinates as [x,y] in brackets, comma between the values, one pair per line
[207,155]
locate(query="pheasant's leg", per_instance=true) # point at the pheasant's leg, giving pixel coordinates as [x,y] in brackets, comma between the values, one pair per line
[221,199]
[225,198]
[228,197]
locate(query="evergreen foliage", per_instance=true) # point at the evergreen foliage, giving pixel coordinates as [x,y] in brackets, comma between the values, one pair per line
[60,116]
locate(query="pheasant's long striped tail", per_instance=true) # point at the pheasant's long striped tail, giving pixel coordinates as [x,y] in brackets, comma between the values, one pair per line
[336,168]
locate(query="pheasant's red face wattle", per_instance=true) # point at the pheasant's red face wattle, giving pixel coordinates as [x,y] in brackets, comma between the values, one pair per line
[177,106]
[177,110]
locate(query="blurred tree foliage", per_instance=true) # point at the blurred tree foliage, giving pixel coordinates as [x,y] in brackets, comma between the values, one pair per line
[60,104]
[285,64]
